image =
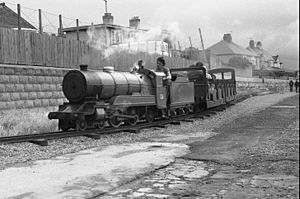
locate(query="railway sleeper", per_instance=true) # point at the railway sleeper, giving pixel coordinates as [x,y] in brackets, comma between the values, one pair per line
[93,135]
[41,142]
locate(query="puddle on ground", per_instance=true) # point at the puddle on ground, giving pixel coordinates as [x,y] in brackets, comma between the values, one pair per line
[190,136]
[88,172]
[284,107]
[173,177]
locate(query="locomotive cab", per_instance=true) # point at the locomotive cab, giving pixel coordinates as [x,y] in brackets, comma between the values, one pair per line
[159,87]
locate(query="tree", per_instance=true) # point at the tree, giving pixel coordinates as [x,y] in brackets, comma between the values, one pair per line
[239,62]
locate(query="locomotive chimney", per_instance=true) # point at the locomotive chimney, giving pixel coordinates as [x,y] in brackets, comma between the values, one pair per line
[83,67]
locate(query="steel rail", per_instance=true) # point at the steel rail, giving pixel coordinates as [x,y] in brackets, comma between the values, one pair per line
[36,138]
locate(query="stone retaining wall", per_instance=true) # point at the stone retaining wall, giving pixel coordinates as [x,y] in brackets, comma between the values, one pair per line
[274,85]
[28,87]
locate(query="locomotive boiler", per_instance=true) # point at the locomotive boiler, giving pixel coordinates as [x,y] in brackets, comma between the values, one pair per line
[83,84]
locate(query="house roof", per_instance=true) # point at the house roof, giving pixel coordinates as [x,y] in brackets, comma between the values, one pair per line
[86,27]
[9,19]
[228,48]
[261,52]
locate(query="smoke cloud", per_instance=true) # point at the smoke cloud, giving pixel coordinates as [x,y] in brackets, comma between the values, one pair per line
[153,40]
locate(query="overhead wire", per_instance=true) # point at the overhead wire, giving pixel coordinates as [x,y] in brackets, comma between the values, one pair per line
[49,22]
[44,14]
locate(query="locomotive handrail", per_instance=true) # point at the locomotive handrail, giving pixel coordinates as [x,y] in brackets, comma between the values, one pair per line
[185,69]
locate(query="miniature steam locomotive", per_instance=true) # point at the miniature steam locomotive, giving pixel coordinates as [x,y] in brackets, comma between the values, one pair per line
[98,98]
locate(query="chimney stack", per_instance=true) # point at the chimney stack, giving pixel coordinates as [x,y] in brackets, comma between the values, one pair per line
[259,45]
[134,22]
[227,37]
[251,43]
[108,18]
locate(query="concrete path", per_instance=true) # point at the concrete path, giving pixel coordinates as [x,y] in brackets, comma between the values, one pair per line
[87,173]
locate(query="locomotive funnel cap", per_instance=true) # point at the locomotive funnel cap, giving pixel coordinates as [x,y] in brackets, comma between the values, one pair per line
[83,67]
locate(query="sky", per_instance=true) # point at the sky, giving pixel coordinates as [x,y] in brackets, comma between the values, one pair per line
[273,22]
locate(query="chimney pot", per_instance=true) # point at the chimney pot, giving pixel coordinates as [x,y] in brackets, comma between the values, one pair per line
[259,45]
[251,43]
[134,22]
[108,18]
[227,37]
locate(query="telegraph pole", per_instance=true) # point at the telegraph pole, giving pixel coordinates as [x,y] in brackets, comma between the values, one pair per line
[191,47]
[179,46]
[190,42]
[202,43]
[105,6]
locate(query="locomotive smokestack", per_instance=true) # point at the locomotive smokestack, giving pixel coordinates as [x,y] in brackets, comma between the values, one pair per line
[83,67]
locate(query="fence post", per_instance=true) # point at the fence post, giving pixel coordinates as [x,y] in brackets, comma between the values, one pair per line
[77,29]
[40,22]
[19,32]
[19,16]
[60,25]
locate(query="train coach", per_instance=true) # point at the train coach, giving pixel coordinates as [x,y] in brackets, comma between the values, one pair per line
[98,98]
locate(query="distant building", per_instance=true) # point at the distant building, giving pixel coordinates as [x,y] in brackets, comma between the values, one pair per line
[9,19]
[109,34]
[226,53]
[264,59]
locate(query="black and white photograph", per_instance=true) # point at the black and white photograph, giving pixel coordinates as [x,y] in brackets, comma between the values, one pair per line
[149,99]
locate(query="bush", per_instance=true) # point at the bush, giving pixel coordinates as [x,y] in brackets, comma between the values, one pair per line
[239,62]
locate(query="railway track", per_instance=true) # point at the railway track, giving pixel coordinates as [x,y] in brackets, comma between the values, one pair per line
[44,138]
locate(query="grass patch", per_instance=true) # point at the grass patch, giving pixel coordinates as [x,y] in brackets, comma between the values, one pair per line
[26,121]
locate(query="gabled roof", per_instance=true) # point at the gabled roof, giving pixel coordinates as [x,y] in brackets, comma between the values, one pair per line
[112,26]
[261,52]
[9,19]
[229,48]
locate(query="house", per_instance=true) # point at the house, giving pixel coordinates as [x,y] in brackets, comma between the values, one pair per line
[265,60]
[226,53]
[9,19]
[108,34]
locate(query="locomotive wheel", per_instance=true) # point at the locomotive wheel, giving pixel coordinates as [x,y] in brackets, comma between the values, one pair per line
[64,125]
[181,111]
[186,110]
[191,109]
[81,125]
[173,113]
[100,124]
[114,121]
[150,116]
[133,121]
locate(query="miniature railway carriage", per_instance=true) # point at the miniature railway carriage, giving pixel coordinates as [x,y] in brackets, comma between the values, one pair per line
[113,97]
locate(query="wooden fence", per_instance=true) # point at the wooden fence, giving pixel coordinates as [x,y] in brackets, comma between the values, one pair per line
[31,48]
